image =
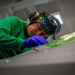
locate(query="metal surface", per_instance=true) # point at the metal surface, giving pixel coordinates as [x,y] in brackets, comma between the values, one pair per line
[55,61]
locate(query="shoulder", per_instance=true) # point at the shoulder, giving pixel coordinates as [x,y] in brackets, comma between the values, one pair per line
[14,20]
[12,17]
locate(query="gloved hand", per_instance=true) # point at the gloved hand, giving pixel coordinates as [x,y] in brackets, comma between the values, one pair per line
[35,41]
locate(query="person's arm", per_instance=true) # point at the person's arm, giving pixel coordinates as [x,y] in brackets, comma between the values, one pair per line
[8,41]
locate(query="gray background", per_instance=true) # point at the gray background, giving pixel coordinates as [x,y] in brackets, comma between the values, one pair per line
[22,8]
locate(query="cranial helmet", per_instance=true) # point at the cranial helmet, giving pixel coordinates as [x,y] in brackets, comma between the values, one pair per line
[51,25]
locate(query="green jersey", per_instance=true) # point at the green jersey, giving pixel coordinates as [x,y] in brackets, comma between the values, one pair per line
[12,35]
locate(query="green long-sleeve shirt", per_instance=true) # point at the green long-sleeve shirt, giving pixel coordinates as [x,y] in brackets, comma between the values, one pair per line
[12,35]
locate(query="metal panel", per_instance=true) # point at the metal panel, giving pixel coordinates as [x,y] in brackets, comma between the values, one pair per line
[55,61]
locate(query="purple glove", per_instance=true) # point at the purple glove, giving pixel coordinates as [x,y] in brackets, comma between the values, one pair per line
[35,41]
